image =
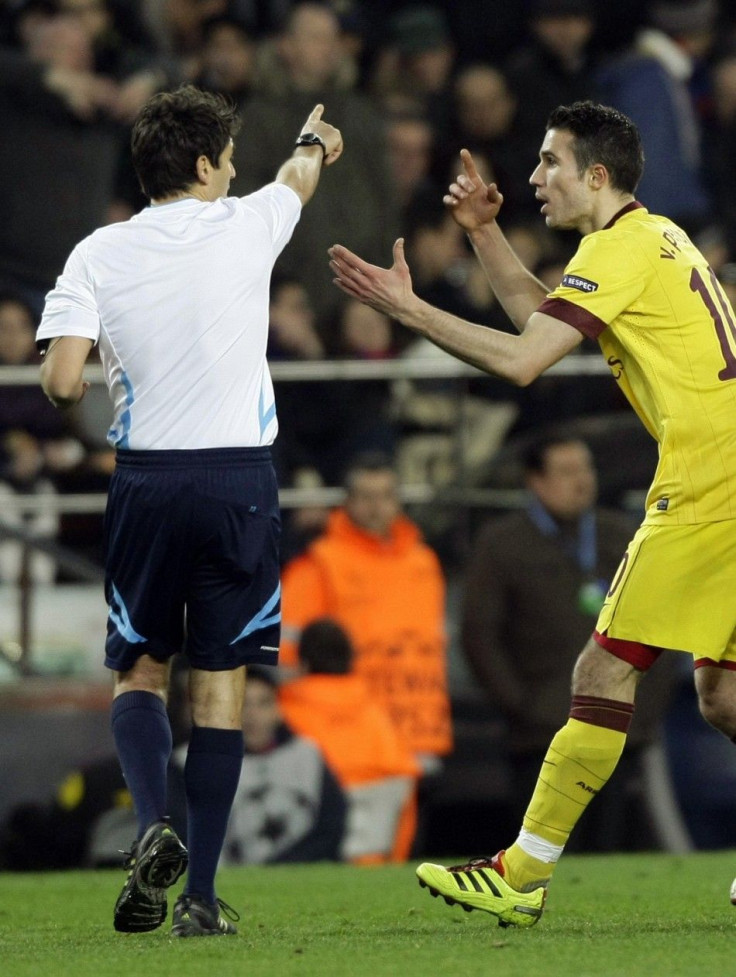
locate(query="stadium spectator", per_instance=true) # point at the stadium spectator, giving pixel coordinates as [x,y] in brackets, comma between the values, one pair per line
[501,29]
[721,142]
[364,333]
[303,523]
[649,82]
[487,120]
[557,67]
[334,707]
[323,424]
[306,407]
[535,582]
[64,96]
[357,197]
[373,575]
[224,63]
[442,261]
[414,66]
[428,413]
[37,446]
[365,403]
[135,72]
[227,60]
[192,519]
[639,286]
[263,18]
[410,151]
[288,806]
[176,26]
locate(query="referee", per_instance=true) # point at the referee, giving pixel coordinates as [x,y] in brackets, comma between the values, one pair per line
[177,300]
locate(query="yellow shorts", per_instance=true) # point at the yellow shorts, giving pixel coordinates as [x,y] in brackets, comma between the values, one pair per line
[676,588]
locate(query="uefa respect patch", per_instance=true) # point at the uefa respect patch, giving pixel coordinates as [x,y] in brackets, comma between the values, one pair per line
[581,284]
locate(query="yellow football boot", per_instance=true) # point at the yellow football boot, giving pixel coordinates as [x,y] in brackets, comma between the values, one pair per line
[479,884]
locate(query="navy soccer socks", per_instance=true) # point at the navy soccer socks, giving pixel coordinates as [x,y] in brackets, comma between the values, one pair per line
[211,776]
[142,734]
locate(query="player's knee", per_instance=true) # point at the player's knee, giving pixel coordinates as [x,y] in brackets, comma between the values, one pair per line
[598,672]
[146,675]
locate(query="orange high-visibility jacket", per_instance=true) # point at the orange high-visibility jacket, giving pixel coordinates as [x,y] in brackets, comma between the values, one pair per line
[389,595]
[355,734]
[362,748]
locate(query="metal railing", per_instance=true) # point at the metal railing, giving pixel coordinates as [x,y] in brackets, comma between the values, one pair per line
[403,367]
[429,367]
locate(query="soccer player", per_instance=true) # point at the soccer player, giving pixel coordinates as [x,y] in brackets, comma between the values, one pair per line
[177,298]
[639,286]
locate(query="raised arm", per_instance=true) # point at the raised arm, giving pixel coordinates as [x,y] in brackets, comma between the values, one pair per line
[475,206]
[518,359]
[302,171]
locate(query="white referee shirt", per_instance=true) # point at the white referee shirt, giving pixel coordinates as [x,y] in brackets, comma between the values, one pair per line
[177,298]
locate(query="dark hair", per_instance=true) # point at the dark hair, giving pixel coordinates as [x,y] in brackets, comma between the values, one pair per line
[534,455]
[603,135]
[367,461]
[173,130]
[325,648]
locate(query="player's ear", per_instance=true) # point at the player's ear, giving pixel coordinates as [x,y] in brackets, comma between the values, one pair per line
[203,168]
[597,176]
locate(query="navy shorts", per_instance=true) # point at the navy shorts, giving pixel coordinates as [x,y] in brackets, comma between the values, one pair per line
[192,560]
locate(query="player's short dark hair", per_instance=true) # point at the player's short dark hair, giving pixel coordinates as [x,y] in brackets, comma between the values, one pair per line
[325,648]
[173,130]
[603,135]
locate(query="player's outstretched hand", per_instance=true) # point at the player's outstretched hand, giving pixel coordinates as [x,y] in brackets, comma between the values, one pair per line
[472,202]
[332,137]
[389,290]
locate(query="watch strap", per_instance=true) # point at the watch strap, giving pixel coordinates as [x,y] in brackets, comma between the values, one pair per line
[312,139]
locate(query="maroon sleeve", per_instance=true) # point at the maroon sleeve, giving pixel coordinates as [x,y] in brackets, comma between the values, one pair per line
[582,320]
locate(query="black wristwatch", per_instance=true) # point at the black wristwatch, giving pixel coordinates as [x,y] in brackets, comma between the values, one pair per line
[312,139]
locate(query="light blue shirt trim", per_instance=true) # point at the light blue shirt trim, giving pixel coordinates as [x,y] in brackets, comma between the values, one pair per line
[119,436]
[265,417]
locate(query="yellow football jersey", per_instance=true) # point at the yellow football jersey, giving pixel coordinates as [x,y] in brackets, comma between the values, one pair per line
[644,291]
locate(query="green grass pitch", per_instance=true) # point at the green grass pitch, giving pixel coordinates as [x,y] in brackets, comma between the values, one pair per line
[607,916]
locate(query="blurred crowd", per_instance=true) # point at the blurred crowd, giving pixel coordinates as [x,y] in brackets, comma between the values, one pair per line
[409,84]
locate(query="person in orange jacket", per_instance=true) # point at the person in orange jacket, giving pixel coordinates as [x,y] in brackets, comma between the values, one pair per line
[371,572]
[333,706]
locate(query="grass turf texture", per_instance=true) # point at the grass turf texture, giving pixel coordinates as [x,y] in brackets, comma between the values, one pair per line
[612,916]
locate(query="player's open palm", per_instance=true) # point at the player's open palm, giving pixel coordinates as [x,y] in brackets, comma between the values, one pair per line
[472,202]
[389,290]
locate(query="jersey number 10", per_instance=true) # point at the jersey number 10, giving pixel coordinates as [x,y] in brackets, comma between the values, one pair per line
[723,328]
